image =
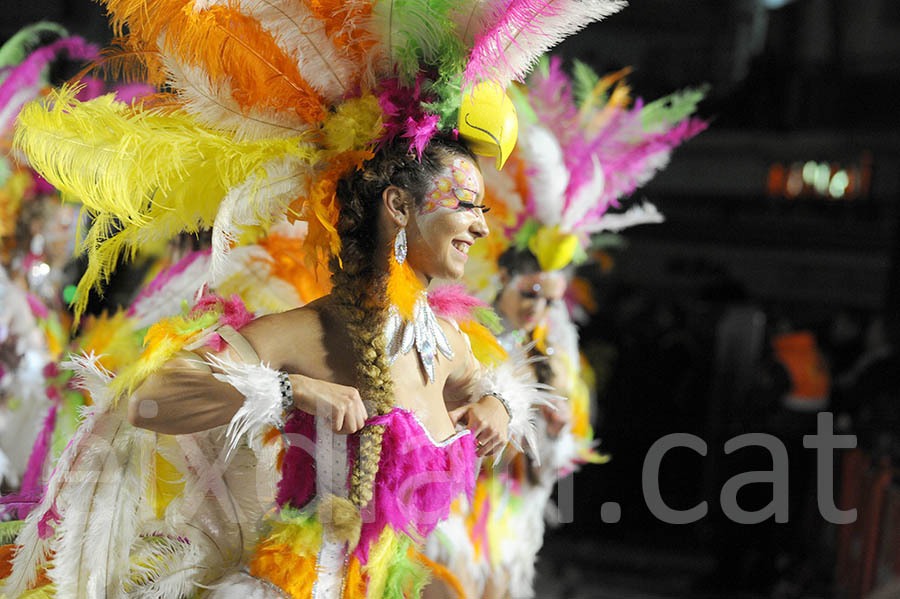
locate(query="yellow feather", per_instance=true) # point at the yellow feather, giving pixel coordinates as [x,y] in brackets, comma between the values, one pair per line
[143,175]
[380,555]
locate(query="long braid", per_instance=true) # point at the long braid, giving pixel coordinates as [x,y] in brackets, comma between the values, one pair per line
[359,285]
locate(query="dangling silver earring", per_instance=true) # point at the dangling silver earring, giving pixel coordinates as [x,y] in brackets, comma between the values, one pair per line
[400,247]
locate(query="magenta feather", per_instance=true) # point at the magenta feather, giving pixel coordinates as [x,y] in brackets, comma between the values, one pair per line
[32,478]
[453,302]
[30,72]
[518,32]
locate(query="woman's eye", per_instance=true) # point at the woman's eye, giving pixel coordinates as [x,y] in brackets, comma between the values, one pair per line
[473,206]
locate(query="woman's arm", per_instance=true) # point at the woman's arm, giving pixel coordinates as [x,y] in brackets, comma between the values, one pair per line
[485,416]
[187,396]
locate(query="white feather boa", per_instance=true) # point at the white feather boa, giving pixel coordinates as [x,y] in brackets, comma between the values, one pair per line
[261,409]
[514,381]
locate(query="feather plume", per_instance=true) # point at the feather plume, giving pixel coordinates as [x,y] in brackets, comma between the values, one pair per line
[15,49]
[238,209]
[454,302]
[224,42]
[143,176]
[261,389]
[585,199]
[520,31]
[31,70]
[549,177]
[212,103]
[327,68]
[639,214]
[165,294]
[514,381]
[34,543]
[165,566]
[417,32]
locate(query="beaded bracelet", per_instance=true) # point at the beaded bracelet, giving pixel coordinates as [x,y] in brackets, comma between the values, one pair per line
[503,401]
[287,391]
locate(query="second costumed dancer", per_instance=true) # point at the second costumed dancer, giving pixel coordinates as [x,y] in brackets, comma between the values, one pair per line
[583,148]
[307,453]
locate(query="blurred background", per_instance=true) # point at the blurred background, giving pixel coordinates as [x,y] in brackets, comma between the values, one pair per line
[769,295]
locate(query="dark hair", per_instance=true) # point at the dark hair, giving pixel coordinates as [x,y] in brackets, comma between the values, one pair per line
[518,262]
[359,286]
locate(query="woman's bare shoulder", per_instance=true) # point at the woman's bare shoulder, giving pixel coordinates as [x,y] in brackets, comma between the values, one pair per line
[276,335]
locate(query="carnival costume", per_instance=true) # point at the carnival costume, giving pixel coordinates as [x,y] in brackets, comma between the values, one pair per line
[37,236]
[582,148]
[271,103]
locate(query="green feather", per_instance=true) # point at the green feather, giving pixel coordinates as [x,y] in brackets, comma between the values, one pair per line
[584,80]
[22,43]
[10,530]
[487,317]
[524,111]
[420,33]
[524,234]
[671,109]
[405,576]
[5,171]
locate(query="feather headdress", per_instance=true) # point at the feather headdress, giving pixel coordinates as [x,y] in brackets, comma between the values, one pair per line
[267,103]
[581,149]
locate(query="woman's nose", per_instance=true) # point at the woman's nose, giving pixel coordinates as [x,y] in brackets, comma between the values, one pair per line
[479,227]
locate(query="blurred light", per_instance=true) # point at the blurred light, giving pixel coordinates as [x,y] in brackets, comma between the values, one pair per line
[823,176]
[775,4]
[838,185]
[40,269]
[794,182]
[809,172]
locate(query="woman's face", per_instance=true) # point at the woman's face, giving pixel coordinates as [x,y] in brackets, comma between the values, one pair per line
[525,299]
[448,221]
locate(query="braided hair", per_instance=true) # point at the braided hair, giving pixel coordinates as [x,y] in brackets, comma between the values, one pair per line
[359,284]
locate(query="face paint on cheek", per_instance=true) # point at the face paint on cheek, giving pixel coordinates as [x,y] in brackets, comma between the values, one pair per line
[458,183]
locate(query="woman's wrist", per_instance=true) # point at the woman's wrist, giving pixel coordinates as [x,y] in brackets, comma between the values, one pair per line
[499,399]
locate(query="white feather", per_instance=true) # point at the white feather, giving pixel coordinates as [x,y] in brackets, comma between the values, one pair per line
[168,300]
[9,112]
[301,35]
[639,214]
[211,101]
[511,53]
[256,201]
[541,150]
[261,409]
[69,468]
[514,381]
[92,377]
[587,198]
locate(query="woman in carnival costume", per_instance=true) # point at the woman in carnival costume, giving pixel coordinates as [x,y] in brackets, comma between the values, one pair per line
[339,453]
[37,235]
[581,148]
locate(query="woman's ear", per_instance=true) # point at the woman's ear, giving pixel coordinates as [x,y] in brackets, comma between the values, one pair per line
[396,205]
[504,277]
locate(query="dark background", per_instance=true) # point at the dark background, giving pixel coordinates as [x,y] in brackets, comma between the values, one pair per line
[752,249]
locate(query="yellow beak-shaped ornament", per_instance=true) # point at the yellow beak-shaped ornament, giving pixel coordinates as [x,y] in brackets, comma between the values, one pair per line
[488,122]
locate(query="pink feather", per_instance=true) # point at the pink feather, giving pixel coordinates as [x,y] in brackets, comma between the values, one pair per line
[163,278]
[518,32]
[30,72]
[453,302]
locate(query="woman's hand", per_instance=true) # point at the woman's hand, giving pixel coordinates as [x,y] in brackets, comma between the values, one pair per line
[489,422]
[340,403]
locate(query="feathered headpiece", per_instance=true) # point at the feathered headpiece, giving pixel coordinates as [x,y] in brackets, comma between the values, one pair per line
[25,65]
[581,149]
[268,102]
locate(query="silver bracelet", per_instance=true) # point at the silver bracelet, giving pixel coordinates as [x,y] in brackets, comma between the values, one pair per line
[287,391]
[502,400]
